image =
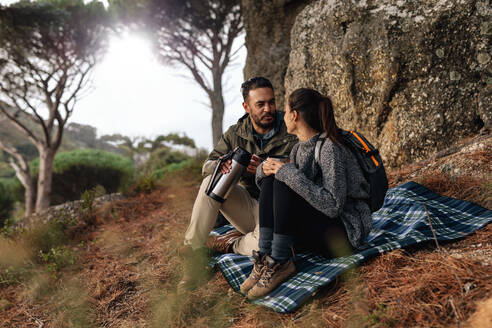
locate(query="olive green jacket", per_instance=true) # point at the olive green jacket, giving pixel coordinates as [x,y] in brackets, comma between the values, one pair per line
[241,135]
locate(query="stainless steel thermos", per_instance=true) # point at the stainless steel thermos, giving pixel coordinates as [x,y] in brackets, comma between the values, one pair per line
[220,185]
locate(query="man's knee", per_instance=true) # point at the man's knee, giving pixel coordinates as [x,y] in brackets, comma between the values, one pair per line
[203,187]
[204,203]
[205,182]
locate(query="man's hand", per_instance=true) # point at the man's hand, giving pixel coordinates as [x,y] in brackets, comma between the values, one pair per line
[253,164]
[271,166]
[225,167]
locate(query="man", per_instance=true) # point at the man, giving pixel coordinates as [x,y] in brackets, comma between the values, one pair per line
[262,132]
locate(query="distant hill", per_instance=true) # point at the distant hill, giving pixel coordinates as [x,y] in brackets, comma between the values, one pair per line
[85,136]
[76,136]
[80,136]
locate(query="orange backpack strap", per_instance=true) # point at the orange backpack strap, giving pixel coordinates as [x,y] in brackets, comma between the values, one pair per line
[366,147]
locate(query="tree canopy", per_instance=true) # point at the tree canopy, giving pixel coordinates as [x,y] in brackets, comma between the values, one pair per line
[48,49]
[198,35]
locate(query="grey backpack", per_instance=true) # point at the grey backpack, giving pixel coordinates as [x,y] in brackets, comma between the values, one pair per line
[369,161]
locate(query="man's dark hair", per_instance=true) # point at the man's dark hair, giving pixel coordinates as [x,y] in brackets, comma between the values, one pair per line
[254,83]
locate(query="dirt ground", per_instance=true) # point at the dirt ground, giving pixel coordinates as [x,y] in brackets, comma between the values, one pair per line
[127,269]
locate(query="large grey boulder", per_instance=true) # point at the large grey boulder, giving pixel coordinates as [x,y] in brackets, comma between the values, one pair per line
[413,76]
[268,24]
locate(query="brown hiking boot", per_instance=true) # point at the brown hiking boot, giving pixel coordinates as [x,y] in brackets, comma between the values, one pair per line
[223,243]
[273,275]
[255,275]
[195,269]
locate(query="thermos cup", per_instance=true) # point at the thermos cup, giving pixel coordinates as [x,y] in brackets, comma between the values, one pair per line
[280,158]
[220,184]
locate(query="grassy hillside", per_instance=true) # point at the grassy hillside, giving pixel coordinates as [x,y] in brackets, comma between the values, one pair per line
[120,269]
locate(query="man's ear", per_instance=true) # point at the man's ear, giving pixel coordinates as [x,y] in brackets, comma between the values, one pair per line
[245,106]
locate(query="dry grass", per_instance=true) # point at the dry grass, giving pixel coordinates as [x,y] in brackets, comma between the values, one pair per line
[424,289]
[128,270]
[462,187]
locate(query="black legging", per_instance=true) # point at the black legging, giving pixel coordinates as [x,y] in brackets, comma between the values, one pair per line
[287,213]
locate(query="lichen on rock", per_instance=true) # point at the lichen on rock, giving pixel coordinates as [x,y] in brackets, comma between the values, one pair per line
[268,25]
[411,75]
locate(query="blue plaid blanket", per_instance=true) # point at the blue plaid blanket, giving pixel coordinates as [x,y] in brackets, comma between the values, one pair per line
[402,221]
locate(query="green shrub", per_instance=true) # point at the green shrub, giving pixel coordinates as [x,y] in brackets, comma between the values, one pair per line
[99,158]
[159,173]
[6,203]
[77,171]
[57,258]
[44,236]
[163,157]
[146,182]
[6,171]
[14,275]
[87,211]
[161,162]
[24,251]
[14,187]
[143,184]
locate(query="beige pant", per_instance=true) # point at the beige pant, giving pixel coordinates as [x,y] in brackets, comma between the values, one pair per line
[240,209]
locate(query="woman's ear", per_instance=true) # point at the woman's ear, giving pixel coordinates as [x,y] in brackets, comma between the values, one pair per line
[295,115]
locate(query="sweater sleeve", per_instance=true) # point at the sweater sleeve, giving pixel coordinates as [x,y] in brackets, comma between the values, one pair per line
[260,175]
[328,198]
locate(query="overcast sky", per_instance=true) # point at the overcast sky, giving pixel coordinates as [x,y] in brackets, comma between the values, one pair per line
[135,95]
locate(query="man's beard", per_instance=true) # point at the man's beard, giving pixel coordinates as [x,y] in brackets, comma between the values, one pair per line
[262,125]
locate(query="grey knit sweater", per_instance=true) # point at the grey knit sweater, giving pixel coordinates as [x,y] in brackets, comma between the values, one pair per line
[335,187]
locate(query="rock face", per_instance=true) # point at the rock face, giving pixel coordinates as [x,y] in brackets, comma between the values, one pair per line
[413,76]
[268,24]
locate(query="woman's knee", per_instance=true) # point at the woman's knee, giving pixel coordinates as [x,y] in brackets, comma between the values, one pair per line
[281,189]
[268,180]
[266,190]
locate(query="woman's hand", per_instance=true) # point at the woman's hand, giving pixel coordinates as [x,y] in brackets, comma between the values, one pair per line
[271,166]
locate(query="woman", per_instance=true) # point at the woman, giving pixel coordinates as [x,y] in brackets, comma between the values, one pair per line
[320,205]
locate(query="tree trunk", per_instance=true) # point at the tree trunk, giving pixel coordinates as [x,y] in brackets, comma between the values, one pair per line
[218,106]
[217,103]
[30,199]
[46,157]
[22,173]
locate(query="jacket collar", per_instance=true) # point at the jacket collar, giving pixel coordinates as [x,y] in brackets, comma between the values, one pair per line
[244,127]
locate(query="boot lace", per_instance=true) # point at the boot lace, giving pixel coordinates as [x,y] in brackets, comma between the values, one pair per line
[258,270]
[267,275]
